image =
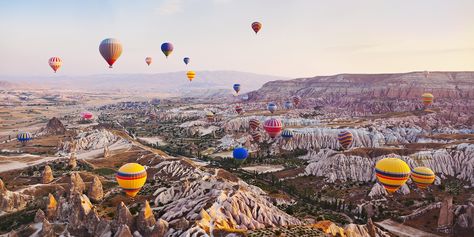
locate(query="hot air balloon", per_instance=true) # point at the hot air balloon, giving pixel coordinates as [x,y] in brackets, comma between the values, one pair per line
[86,115]
[110,49]
[256,26]
[422,177]
[148,60]
[272,107]
[191,75]
[345,139]
[288,105]
[167,48]
[55,63]
[210,116]
[273,127]
[240,153]
[254,123]
[392,173]
[427,99]
[24,137]
[186,60]
[296,100]
[236,88]
[287,134]
[256,136]
[245,97]
[239,109]
[131,177]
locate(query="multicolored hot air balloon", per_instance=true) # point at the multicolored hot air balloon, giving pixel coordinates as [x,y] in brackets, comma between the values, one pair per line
[345,139]
[296,100]
[239,109]
[392,173]
[24,137]
[186,60]
[427,99]
[110,49]
[86,115]
[256,26]
[288,105]
[287,134]
[210,116]
[272,107]
[256,136]
[254,123]
[273,127]
[131,177]
[422,177]
[240,153]
[191,75]
[55,63]
[148,60]
[167,48]
[236,88]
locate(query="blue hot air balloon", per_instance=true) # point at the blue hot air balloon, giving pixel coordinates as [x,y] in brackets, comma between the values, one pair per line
[24,137]
[186,60]
[240,153]
[288,105]
[237,88]
[272,107]
[167,48]
[287,134]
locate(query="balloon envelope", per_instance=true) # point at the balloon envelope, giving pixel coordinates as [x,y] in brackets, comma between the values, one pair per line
[24,137]
[288,105]
[239,109]
[287,134]
[210,116]
[240,153]
[296,100]
[254,123]
[55,63]
[86,115]
[110,49]
[256,26]
[186,60]
[345,139]
[272,107]
[422,177]
[131,177]
[427,99]
[148,60]
[167,48]
[392,173]
[191,75]
[236,88]
[273,127]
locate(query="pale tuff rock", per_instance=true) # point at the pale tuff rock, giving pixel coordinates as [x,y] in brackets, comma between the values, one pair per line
[103,229]
[96,193]
[160,228]
[92,221]
[47,174]
[51,207]
[377,191]
[91,140]
[80,209]
[12,201]
[76,184]
[466,219]
[106,152]
[72,162]
[39,216]
[446,216]
[123,216]
[421,211]
[3,188]
[146,219]
[46,230]
[123,231]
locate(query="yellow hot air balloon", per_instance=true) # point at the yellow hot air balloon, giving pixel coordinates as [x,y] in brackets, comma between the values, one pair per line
[191,75]
[131,177]
[422,177]
[427,98]
[392,173]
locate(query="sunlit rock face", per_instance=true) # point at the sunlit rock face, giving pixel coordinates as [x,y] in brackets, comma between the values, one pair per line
[91,140]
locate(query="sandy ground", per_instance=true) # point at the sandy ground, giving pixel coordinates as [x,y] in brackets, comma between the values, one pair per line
[153,140]
[260,169]
[403,230]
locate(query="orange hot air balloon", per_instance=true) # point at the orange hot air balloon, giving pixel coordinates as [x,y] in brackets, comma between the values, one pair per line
[110,49]
[148,60]
[55,63]
[256,26]
[427,99]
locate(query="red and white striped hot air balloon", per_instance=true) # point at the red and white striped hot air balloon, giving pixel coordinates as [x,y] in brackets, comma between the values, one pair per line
[273,127]
[110,49]
[148,60]
[55,63]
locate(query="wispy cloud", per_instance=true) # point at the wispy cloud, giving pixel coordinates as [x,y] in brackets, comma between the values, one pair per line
[170,7]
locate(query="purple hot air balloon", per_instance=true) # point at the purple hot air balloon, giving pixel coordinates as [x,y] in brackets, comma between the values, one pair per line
[167,48]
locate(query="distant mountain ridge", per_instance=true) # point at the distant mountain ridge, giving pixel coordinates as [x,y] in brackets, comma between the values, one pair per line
[172,83]
[391,85]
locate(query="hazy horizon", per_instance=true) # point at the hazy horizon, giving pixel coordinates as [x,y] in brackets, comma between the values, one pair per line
[298,39]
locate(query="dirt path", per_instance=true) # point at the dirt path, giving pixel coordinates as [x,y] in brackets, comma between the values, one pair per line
[403,230]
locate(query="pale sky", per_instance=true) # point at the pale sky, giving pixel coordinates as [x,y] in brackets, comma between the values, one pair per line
[299,38]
